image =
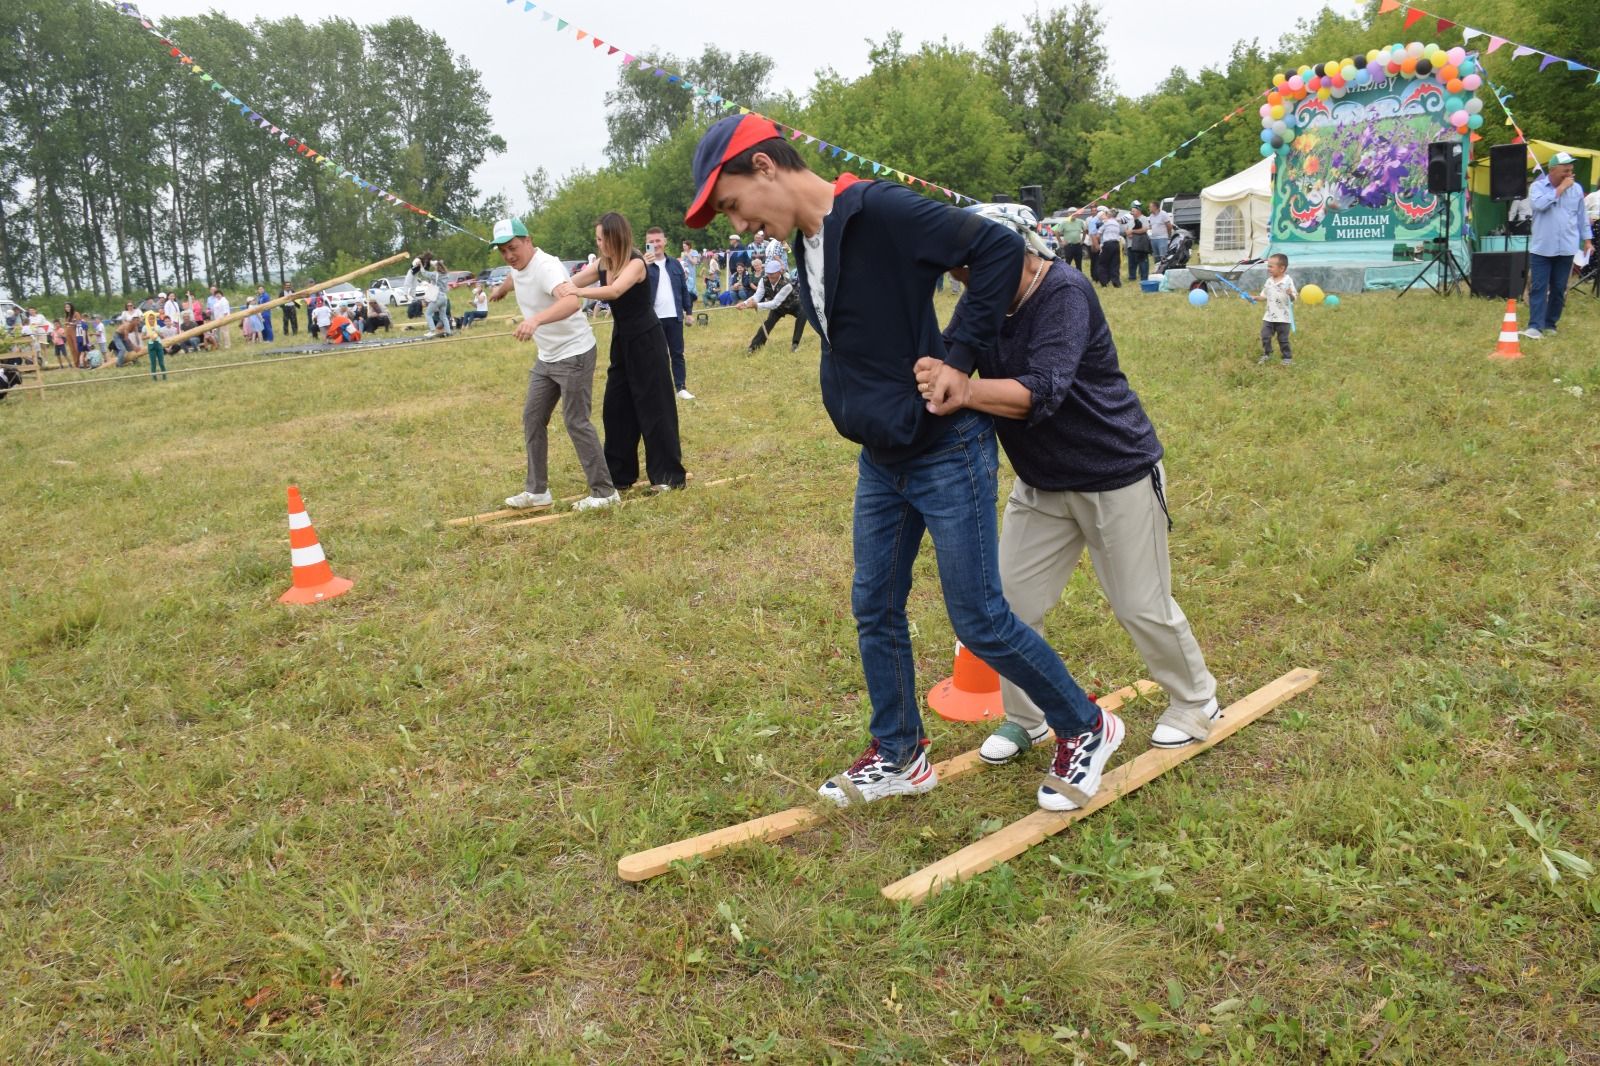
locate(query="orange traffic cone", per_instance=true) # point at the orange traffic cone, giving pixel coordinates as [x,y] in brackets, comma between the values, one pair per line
[1510,346]
[313,577]
[972,694]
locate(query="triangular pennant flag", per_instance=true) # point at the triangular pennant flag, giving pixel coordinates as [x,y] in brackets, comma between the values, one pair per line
[545,16]
[1388,6]
[561,24]
[1413,16]
[1495,42]
[875,168]
[1573,64]
[1445,24]
[1523,50]
[527,6]
[274,129]
[1468,33]
[660,73]
[206,78]
[810,139]
[1547,60]
[728,105]
[597,42]
[611,49]
[627,59]
[582,34]
[744,110]
[1474,138]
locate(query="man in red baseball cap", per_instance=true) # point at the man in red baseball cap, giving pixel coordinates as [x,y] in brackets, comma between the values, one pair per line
[868,257]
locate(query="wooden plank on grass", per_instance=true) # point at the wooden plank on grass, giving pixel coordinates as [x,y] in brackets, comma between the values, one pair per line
[509,512]
[643,865]
[643,494]
[1019,836]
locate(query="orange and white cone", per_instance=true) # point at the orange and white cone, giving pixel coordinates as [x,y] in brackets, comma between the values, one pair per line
[971,694]
[313,577]
[1510,346]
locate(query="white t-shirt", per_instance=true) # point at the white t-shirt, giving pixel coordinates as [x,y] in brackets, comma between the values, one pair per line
[170,309]
[323,315]
[223,307]
[1280,294]
[814,275]
[480,302]
[535,283]
[666,307]
[1160,225]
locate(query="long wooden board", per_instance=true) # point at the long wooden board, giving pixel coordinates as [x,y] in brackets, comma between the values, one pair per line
[643,865]
[509,512]
[630,497]
[1019,836]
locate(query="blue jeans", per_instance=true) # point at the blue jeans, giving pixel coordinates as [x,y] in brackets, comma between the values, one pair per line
[949,491]
[1159,246]
[438,315]
[1547,289]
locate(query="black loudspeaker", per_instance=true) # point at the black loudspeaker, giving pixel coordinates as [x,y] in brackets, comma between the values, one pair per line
[1444,166]
[1500,274]
[1033,197]
[1508,172]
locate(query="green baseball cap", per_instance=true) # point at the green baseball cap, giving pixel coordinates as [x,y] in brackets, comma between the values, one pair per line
[507,228]
[1561,158]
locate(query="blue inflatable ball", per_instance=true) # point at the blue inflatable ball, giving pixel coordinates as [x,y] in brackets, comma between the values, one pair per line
[1331,300]
[1199,297]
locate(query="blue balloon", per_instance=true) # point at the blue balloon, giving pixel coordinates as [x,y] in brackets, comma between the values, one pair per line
[1266,150]
[1363,76]
[1266,135]
[1199,297]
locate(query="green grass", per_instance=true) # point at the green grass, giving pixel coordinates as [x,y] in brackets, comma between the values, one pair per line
[385,828]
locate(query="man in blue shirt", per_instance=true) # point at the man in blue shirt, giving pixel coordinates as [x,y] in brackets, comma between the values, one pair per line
[1560,227]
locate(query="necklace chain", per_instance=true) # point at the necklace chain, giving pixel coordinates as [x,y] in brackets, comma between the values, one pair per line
[1034,284]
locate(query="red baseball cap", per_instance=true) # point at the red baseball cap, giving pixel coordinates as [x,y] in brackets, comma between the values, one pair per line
[726,138]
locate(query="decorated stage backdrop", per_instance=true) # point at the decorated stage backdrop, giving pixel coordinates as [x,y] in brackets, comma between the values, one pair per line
[1352,160]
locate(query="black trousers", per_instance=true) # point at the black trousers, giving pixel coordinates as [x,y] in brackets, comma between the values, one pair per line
[773,318]
[1110,264]
[639,403]
[1075,255]
[291,319]
[672,329]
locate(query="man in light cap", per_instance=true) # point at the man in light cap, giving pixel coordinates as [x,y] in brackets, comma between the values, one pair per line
[867,258]
[1089,474]
[1560,227]
[563,371]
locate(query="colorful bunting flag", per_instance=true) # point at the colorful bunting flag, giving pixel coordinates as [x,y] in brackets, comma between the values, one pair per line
[1415,13]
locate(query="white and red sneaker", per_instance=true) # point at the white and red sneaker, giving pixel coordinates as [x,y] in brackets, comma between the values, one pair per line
[871,777]
[1074,776]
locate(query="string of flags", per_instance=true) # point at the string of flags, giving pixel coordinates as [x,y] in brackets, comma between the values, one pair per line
[1521,138]
[272,129]
[1144,172]
[1415,14]
[705,96]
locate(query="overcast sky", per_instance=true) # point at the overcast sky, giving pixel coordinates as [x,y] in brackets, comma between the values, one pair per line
[548,90]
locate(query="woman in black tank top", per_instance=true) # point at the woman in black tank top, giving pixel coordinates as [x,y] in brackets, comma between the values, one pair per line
[639,401]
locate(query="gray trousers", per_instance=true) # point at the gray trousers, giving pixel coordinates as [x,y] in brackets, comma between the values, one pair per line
[572,382]
[1279,330]
[1126,533]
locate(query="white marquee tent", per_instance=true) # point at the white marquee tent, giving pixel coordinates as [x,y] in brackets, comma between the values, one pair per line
[1236,216]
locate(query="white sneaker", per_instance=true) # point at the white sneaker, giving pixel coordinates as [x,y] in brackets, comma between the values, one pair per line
[1532,334]
[1008,741]
[664,488]
[685,394]
[590,503]
[1174,736]
[1080,761]
[871,778]
[523,500]
[430,333]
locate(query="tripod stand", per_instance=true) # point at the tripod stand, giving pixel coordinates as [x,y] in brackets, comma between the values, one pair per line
[1589,279]
[1451,273]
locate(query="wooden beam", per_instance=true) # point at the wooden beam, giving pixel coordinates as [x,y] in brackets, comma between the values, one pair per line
[1019,836]
[544,520]
[508,512]
[643,865]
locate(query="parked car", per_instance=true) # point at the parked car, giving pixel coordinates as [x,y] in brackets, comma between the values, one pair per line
[572,266]
[391,292]
[494,276]
[342,294]
[457,278]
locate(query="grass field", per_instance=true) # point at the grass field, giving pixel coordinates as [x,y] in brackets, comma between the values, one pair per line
[384,829]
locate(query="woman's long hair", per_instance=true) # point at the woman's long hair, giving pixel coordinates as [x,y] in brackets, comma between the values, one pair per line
[616,242]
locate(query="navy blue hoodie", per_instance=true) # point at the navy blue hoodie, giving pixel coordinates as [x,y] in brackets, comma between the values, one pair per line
[883,248]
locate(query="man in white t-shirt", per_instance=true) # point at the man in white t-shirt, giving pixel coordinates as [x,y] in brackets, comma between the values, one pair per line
[323,317]
[564,370]
[1160,225]
[221,308]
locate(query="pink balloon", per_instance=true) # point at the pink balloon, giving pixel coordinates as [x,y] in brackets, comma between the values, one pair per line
[1456,56]
[1472,83]
[1459,118]
[1266,111]
[1297,83]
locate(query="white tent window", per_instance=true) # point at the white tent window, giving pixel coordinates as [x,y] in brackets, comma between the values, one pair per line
[1229,236]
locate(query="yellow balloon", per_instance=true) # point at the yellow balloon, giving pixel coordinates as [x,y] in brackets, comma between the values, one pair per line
[1313,295]
[1279,80]
[1277,111]
[1324,93]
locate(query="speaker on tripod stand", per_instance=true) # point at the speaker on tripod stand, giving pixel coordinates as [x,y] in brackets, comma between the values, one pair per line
[1446,177]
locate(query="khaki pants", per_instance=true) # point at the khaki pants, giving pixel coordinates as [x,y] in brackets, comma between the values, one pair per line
[572,382]
[1126,533]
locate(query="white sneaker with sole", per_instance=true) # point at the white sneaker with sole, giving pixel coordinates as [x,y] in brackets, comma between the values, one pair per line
[1080,761]
[685,394]
[1180,728]
[590,503]
[1008,741]
[871,778]
[524,500]
[1532,334]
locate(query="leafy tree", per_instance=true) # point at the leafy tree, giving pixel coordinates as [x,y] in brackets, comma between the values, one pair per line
[645,110]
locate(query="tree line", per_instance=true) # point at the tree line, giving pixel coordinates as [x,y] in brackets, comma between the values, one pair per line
[120,173]
[1033,105]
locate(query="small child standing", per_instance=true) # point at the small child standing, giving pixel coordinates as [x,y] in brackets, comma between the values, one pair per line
[1279,293]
